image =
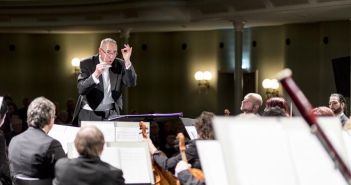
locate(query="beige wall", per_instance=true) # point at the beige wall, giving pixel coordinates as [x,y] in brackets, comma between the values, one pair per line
[166,71]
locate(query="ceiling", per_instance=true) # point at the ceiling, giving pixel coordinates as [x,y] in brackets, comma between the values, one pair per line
[78,16]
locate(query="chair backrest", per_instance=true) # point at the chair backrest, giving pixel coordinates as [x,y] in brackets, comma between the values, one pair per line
[21,180]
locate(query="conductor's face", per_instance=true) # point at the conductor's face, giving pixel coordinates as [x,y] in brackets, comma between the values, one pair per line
[108,52]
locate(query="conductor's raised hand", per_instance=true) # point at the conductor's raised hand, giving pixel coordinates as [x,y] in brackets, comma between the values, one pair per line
[126,52]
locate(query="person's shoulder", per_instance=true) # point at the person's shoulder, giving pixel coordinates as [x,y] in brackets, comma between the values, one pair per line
[110,167]
[63,162]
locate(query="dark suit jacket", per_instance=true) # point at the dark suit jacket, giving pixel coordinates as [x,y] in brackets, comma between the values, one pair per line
[33,153]
[92,93]
[5,177]
[86,171]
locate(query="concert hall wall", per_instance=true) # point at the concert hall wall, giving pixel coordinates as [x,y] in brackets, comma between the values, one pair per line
[40,64]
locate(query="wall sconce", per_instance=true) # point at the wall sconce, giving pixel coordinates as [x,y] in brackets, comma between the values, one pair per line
[75,63]
[203,78]
[271,86]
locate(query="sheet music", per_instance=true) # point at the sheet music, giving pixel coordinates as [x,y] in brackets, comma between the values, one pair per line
[277,151]
[134,160]
[111,156]
[311,161]
[347,139]
[106,127]
[64,134]
[128,134]
[260,149]
[133,163]
[212,162]
[129,131]
[191,132]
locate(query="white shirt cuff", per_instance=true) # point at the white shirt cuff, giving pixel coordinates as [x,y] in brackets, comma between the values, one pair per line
[95,79]
[128,65]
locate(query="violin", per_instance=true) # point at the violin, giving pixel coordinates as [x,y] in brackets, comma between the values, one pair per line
[162,177]
[197,173]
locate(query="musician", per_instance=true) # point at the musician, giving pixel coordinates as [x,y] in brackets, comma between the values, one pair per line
[251,104]
[276,106]
[323,111]
[203,125]
[184,175]
[33,153]
[337,103]
[5,178]
[87,168]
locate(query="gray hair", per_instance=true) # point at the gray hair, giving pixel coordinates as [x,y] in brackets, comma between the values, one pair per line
[89,141]
[258,98]
[40,112]
[107,40]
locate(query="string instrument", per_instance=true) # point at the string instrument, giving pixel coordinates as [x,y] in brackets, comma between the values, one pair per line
[198,174]
[162,177]
[305,109]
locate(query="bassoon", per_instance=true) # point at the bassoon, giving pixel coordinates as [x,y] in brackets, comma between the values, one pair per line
[305,108]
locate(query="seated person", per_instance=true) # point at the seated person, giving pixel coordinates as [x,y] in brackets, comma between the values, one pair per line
[5,178]
[274,112]
[277,102]
[203,125]
[33,153]
[323,111]
[184,175]
[87,168]
[251,105]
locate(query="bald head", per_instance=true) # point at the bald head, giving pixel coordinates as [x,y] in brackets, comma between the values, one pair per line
[251,103]
[89,141]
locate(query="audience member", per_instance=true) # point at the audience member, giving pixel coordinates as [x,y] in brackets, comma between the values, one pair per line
[5,178]
[337,103]
[87,169]
[251,104]
[33,153]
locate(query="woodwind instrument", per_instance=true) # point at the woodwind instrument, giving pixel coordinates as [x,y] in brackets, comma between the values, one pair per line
[305,109]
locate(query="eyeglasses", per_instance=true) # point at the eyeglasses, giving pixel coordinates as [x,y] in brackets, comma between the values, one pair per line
[109,52]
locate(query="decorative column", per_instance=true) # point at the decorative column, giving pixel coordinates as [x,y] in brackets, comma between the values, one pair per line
[238,72]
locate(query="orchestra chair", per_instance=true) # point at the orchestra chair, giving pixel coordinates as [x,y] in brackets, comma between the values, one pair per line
[23,180]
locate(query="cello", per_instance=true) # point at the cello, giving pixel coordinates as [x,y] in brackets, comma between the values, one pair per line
[197,173]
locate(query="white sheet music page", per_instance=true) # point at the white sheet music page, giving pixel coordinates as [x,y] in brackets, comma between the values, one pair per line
[255,151]
[191,130]
[133,164]
[312,163]
[64,134]
[212,162]
[111,156]
[128,134]
[106,127]
[129,131]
